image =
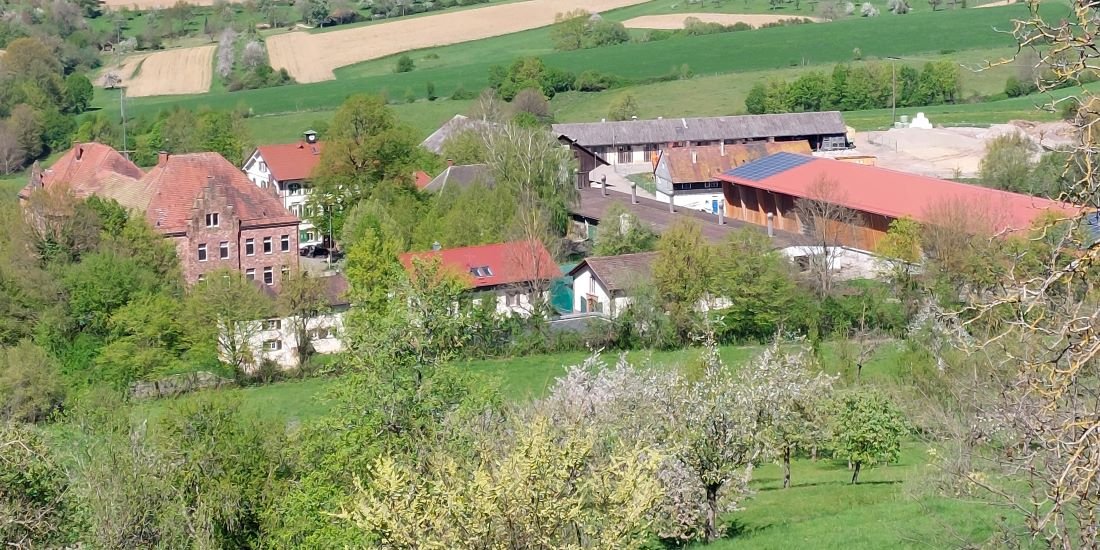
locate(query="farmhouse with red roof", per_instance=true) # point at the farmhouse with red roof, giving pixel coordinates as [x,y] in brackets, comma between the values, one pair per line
[215,216]
[510,272]
[287,168]
[772,185]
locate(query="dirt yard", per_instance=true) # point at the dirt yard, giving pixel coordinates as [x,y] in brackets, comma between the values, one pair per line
[168,72]
[313,57]
[676,20]
[951,152]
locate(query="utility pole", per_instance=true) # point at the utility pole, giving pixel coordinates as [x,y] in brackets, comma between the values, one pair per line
[894,93]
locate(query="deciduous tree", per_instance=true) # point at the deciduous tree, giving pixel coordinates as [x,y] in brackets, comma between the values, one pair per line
[867,429]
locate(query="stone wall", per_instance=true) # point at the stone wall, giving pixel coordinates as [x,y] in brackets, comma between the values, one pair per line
[178,384]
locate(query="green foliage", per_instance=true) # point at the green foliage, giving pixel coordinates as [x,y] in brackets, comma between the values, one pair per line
[373,245]
[404,64]
[623,233]
[1007,163]
[529,72]
[367,152]
[1014,87]
[78,93]
[34,505]
[858,87]
[683,273]
[465,147]
[625,107]
[147,340]
[30,384]
[595,81]
[763,295]
[221,316]
[102,283]
[579,29]
[867,428]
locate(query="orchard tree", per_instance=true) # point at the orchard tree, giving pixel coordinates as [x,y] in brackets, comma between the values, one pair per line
[34,504]
[867,429]
[792,397]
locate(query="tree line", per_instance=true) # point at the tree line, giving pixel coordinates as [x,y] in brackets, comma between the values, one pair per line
[853,88]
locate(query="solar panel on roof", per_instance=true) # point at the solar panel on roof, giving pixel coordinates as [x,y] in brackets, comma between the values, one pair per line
[768,166]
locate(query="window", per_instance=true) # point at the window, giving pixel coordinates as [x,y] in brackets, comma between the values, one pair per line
[202,252]
[250,274]
[284,243]
[202,277]
[250,247]
[295,189]
[269,276]
[273,345]
[512,299]
[267,245]
[296,209]
[481,272]
[285,271]
[223,250]
[273,324]
[212,219]
[321,333]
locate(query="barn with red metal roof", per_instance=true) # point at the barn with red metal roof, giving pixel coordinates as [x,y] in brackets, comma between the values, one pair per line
[773,185]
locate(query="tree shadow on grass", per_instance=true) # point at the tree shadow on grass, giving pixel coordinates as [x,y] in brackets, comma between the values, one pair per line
[831,484]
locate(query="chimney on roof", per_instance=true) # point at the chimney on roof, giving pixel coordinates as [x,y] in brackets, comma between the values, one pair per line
[450,163]
[771,228]
[79,151]
[311,136]
[694,157]
[162,157]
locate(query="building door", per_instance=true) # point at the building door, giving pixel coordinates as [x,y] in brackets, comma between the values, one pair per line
[626,154]
[714,206]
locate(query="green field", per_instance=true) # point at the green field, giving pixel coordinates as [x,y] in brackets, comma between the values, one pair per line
[891,507]
[739,52]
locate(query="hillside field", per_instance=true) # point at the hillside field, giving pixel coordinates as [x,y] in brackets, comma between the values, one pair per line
[891,507]
[467,64]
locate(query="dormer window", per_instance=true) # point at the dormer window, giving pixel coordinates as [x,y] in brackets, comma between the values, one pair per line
[481,272]
[212,219]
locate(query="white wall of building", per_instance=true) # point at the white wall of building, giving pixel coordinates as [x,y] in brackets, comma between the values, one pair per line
[276,339]
[510,301]
[588,288]
[294,195]
[846,263]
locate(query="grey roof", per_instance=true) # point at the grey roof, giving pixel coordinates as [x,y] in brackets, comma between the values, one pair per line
[620,272]
[667,130]
[462,175]
[458,123]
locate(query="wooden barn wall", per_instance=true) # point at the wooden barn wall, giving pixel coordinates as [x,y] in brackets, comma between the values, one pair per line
[753,205]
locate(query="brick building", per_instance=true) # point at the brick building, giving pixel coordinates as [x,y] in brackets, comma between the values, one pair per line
[215,216]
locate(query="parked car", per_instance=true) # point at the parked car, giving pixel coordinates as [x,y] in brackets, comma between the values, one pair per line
[313,251]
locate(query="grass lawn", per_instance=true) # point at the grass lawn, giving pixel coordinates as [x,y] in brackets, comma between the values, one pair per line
[889,508]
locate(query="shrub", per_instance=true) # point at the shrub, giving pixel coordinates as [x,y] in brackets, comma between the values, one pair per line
[594,81]
[30,384]
[404,64]
[462,93]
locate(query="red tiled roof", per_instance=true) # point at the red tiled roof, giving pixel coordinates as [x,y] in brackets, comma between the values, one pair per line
[94,169]
[891,193]
[178,181]
[422,179]
[508,263]
[291,161]
[710,160]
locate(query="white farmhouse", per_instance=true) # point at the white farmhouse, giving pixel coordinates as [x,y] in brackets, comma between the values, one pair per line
[288,167]
[603,284]
[277,339]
